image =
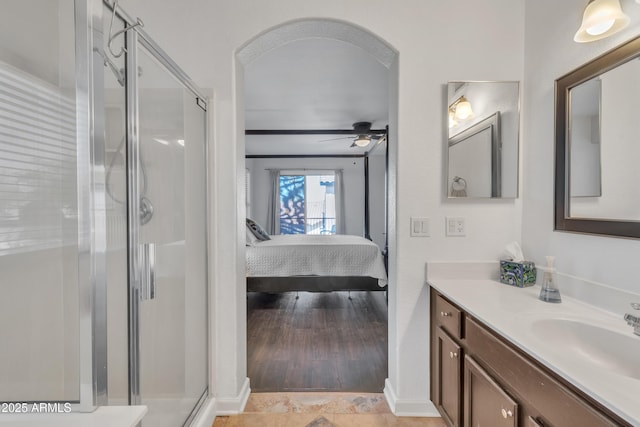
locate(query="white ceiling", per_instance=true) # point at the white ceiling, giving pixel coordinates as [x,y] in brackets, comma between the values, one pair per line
[313,84]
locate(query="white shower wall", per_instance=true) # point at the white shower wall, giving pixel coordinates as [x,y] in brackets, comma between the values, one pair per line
[39,318]
[38,203]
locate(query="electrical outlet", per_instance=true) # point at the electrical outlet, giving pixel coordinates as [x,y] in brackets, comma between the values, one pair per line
[419,227]
[456,226]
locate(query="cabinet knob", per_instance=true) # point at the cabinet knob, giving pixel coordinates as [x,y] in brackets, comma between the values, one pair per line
[453,355]
[445,314]
[506,413]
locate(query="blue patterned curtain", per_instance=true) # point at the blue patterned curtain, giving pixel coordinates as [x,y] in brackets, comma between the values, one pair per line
[292,220]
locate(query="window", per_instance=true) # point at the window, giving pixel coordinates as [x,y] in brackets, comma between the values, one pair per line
[307,203]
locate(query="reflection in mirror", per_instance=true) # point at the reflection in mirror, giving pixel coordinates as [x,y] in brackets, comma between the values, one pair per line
[603,175]
[474,160]
[584,135]
[482,147]
[597,179]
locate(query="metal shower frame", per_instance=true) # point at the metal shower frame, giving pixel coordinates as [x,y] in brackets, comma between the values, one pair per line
[92,228]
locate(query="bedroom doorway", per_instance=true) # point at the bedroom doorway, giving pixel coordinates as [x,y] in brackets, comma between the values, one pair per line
[334,341]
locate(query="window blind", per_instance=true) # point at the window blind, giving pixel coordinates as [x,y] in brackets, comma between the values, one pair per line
[38,184]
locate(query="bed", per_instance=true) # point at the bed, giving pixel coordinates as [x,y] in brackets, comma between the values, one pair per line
[315,263]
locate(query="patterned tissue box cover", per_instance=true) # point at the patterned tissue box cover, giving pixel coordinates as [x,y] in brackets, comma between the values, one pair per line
[520,274]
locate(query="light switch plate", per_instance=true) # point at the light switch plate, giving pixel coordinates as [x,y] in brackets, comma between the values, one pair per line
[419,227]
[455,226]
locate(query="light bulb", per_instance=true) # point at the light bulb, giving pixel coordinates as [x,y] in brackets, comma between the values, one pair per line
[601,18]
[602,27]
[362,141]
[463,110]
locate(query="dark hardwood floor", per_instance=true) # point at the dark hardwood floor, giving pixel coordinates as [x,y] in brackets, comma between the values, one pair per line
[319,342]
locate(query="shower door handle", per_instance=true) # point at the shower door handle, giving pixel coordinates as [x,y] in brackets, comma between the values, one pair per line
[148,282]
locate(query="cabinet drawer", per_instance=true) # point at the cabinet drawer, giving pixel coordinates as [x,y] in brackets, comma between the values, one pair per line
[448,316]
[556,404]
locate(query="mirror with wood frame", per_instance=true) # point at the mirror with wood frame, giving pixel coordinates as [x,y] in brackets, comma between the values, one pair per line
[597,180]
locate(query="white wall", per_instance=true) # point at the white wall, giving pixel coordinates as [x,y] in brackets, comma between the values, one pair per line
[353,184]
[436,42]
[550,53]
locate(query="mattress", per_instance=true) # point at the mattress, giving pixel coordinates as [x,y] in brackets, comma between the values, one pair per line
[316,255]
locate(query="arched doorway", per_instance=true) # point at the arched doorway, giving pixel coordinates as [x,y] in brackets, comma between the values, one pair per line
[376,48]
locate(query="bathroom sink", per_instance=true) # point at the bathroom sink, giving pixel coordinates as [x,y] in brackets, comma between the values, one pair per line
[602,348]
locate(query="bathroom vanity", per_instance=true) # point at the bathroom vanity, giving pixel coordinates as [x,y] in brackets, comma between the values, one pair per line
[500,357]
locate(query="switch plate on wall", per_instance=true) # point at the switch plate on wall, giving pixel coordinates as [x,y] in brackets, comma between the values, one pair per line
[455,226]
[419,227]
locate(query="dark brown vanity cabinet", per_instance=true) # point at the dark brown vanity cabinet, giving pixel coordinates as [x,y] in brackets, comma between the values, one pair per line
[480,379]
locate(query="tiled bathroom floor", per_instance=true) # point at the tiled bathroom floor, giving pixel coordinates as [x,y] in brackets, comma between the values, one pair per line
[321,410]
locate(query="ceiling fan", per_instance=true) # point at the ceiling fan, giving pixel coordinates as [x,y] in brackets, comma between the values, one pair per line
[364,135]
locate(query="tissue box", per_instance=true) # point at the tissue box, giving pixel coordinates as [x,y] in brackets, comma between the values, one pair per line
[520,274]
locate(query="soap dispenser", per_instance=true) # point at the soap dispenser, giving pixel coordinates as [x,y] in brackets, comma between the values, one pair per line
[549,292]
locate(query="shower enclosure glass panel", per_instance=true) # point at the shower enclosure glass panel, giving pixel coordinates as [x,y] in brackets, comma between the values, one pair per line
[39,216]
[172,303]
[115,143]
[155,180]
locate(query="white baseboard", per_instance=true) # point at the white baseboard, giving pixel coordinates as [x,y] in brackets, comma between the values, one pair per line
[234,405]
[407,407]
[206,415]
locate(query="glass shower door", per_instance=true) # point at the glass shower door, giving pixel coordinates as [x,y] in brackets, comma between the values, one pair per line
[168,245]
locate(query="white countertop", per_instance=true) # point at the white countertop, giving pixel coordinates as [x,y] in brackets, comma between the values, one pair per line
[513,312]
[103,416]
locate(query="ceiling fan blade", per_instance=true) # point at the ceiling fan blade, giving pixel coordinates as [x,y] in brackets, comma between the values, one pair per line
[335,139]
[382,138]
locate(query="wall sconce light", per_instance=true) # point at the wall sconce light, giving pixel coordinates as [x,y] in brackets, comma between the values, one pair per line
[601,19]
[460,109]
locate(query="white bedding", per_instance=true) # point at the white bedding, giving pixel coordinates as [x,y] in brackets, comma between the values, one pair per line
[316,255]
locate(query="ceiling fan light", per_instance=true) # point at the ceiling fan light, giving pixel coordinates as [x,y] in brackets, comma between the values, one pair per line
[601,19]
[362,140]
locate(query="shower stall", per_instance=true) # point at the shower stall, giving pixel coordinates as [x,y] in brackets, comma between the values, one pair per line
[103,214]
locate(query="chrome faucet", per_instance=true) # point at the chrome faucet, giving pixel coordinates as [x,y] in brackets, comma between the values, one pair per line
[633,320]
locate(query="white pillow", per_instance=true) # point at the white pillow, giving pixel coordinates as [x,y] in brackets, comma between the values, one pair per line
[257,230]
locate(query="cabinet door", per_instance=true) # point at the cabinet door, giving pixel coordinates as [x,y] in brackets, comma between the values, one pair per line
[448,371]
[532,422]
[485,402]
